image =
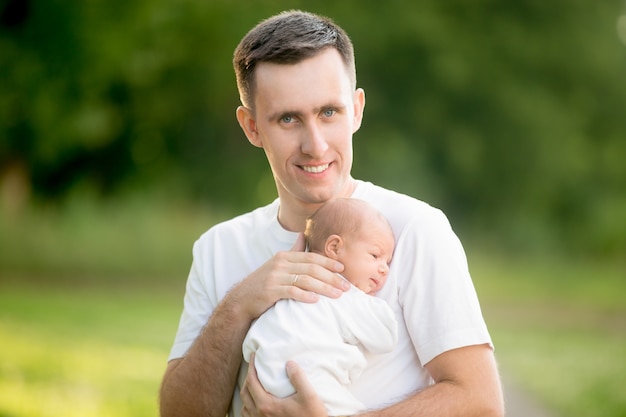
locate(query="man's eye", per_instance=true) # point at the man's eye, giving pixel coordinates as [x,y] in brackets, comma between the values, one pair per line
[329,113]
[287,119]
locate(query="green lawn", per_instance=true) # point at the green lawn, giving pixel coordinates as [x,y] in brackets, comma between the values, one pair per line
[84,352]
[560,330]
[90,299]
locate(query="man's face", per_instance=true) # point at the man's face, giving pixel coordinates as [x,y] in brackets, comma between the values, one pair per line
[305,115]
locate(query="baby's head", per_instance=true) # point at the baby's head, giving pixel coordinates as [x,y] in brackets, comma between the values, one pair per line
[357,235]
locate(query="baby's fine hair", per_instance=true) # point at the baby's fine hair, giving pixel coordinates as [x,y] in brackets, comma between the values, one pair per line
[340,216]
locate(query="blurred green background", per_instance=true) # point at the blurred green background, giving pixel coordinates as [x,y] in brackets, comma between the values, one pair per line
[119,147]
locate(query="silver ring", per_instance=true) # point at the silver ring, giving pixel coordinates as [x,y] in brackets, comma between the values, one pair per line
[295,279]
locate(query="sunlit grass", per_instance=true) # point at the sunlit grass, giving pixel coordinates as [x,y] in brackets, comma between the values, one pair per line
[559,329]
[65,377]
[90,297]
[86,352]
[579,372]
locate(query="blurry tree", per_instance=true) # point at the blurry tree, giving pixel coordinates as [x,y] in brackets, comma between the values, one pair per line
[507,115]
[105,93]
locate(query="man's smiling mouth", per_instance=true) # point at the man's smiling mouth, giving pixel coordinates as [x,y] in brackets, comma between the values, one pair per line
[315,169]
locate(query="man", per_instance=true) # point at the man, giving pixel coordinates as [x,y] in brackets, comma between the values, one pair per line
[297,81]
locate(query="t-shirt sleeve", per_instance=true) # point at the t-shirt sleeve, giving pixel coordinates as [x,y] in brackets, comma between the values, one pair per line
[198,306]
[436,292]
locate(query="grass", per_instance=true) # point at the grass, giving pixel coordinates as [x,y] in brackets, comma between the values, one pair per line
[84,351]
[90,297]
[560,330]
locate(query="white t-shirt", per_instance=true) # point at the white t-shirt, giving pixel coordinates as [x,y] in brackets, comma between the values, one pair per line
[326,339]
[429,288]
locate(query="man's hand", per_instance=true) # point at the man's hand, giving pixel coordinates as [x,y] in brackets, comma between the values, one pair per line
[295,274]
[209,369]
[259,403]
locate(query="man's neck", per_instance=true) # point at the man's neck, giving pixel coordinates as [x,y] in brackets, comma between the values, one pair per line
[295,220]
[292,215]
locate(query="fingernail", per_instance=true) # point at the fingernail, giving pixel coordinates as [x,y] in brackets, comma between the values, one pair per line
[339,266]
[336,293]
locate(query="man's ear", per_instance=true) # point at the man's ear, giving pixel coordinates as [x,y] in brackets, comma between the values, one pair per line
[333,246]
[248,125]
[359,107]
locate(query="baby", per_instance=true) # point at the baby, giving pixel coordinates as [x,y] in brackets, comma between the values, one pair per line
[327,338]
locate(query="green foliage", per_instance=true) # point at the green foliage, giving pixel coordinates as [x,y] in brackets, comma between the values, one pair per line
[509,116]
[506,108]
[87,239]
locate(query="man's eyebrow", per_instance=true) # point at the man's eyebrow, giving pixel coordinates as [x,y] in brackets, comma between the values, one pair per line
[332,105]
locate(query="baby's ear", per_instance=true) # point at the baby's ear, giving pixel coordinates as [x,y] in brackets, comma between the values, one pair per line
[332,246]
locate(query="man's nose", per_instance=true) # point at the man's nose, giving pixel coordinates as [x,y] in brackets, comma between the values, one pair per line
[314,143]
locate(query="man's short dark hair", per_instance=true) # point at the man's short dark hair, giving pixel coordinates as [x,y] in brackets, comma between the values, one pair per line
[288,38]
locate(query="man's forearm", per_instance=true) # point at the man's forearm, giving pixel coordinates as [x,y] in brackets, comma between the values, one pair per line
[439,400]
[203,382]
[468,385]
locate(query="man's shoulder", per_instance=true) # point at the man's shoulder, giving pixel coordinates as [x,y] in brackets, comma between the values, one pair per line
[243,223]
[394,205]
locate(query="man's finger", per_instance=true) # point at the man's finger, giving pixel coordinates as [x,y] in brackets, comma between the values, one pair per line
[305,393]
[253,385]
[298,379]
